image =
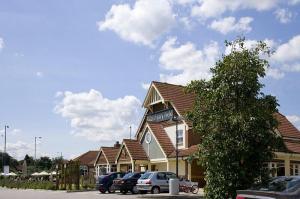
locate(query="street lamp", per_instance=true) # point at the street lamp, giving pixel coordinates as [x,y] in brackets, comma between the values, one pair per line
[35,146]
[5,127]
[4,151]
[176,119]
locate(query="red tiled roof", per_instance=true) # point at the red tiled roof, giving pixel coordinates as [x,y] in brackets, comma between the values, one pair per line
[292,146]
[110,153]
[182,101]
[162,137]
[135,149]
[185,152]
[286,128]
[87,158]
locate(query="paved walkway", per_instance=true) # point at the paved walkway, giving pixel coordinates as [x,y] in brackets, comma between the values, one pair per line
[44,194]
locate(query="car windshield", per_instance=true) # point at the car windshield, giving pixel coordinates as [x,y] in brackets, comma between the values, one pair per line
[279,184]
[146,176]
[128,175]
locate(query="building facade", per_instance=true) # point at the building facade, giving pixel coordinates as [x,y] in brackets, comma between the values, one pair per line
[153,148]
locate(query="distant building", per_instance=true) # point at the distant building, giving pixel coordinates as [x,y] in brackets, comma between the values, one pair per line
[105,160]
[87,162]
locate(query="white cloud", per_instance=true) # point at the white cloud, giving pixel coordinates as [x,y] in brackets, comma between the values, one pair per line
[215,8]
[146,86]
[294,2]
[287,55]
[283,15]
[184,2]
[275,73]
[289,51]
[185,62]
[1,43]
[186,22]
[230,24]
[97,118]
[293,118]
[144,23]
[39,74]
[19,149]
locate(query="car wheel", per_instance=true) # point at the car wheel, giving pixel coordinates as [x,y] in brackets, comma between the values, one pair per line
[111,189]
[155,190]
[102,190]
[123,191]
[134,190]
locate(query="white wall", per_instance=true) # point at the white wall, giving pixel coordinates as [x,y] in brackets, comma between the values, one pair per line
[171,131]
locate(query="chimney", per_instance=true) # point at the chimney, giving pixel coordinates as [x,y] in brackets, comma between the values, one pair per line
[117,144]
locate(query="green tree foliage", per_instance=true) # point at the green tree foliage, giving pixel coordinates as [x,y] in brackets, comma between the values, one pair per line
[236,121]
[44,163]
[8,160]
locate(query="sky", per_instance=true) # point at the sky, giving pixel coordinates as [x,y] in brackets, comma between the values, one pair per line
[76,72]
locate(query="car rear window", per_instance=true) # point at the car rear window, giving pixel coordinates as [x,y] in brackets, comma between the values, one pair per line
[146,176]
[280,184]
[128,175]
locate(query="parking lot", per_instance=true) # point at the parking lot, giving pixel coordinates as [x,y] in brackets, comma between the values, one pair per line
[42,194]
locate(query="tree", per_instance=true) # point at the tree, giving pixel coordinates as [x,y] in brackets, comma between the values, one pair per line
[12,162]
[44,163]
[236,121]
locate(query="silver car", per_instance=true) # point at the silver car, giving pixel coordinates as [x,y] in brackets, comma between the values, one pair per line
[155,182]
[282,187]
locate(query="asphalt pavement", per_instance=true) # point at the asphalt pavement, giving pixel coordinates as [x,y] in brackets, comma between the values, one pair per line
[45,194]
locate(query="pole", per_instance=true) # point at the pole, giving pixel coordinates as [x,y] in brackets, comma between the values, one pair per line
[34,148]
[130,131]
[176,147]
[5,127]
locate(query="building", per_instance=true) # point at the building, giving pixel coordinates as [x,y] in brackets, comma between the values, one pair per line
[105,160]
[153,148]
[86,161]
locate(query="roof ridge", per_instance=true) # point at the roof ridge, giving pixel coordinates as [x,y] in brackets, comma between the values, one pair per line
[168,83]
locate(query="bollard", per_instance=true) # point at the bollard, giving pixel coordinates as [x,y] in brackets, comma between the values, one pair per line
[174,186]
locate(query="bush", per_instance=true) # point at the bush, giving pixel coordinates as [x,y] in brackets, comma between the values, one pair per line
[25,184]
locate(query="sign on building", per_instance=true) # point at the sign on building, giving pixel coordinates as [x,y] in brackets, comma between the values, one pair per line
[160,116]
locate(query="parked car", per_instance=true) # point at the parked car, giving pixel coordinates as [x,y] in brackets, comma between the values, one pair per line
[276,188]
[105,182]
[155,182]
[128,183]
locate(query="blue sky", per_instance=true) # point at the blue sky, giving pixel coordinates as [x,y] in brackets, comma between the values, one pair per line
[75,72]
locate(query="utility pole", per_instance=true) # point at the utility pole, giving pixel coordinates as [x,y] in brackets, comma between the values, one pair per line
[4,152]
[35,149]
[5,127]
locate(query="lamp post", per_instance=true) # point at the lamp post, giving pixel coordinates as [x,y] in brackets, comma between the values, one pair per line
[5,127]
[176,119]
[35,138]
[4,151]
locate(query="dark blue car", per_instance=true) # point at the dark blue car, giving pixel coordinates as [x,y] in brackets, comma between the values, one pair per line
[105,182]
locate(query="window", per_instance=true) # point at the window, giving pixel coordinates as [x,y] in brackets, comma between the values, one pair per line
[180,137]
[294,169]
[83,170]
[171,175]
[276,169]
[161,176]
[113,168]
